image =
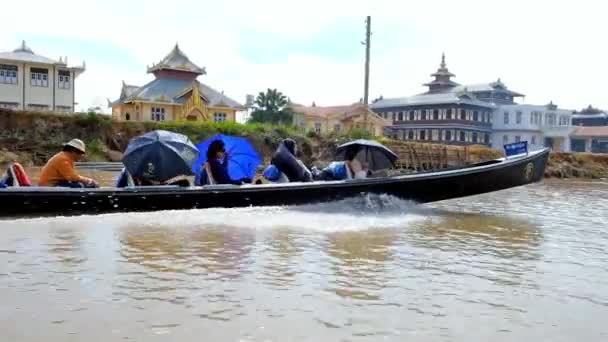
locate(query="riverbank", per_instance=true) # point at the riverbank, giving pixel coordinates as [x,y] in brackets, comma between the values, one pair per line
[31,138]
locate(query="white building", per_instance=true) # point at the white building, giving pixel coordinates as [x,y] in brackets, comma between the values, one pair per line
[32,82]
[540,126]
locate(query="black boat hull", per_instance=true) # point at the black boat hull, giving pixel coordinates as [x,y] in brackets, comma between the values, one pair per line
[421,187]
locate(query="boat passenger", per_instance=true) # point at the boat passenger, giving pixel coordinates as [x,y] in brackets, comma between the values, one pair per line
[350,168]
[272,174]
[60,170]
[125,179]
[285,160]
[14,176]
[215,170]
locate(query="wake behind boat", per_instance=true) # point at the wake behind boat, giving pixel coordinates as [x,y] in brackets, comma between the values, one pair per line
[492,175]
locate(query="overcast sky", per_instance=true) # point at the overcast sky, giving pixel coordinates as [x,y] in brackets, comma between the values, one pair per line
[311,50]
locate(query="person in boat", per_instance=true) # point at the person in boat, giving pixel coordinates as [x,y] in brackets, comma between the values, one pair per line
[284,159]
[60,170]
[272,174]
[125,179]
[14,176]
[215,169]
[350,168]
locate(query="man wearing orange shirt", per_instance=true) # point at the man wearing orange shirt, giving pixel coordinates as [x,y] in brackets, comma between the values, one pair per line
[60,171]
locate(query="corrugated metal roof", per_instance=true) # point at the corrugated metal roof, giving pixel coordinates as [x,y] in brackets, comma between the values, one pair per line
[429,99]
[170,90]
[24,54]
[177,60]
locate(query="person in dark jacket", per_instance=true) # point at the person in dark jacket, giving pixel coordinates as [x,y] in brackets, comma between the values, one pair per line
[285,160]
[217,166]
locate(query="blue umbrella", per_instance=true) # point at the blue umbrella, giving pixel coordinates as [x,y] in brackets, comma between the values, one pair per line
[160,155]
[243,160]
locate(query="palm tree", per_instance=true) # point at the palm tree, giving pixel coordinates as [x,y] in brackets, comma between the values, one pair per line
[271,106]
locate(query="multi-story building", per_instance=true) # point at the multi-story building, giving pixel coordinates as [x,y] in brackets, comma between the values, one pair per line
[33,82]
[590,117]
[540,126]
[338,119]
[174,94]
[483,113]
[447,112]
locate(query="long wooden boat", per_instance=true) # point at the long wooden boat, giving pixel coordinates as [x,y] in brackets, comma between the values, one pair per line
[421,187]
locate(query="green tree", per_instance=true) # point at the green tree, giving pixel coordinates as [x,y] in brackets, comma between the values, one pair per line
[271,107]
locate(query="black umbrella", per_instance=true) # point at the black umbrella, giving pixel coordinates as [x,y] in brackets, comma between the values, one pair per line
[160,155]
[376,155]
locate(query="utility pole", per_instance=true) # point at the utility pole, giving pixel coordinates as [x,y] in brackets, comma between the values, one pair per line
[368,33]
[368,24]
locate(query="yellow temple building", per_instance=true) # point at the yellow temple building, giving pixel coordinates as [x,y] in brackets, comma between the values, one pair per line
[174,94]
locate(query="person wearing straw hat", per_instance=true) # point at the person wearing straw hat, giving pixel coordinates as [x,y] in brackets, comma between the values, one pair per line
[60,170]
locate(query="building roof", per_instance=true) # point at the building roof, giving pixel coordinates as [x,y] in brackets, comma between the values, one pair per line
[590,116]
[23,53]
[172,90]
[591,132]
[345,110]
[177,60]
[431,99]
[485,87]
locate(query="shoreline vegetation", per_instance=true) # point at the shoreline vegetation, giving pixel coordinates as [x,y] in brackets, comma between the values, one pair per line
[32,137]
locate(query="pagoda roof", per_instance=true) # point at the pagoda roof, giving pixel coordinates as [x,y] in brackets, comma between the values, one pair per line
[177,60]
[431,99]
[497,86]
[171,90]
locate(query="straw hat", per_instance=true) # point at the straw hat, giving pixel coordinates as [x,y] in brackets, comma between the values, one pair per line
[77,144]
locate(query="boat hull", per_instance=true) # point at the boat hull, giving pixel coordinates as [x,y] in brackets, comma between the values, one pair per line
[421,187]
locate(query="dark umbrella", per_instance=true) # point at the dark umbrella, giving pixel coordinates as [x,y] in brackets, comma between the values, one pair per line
[160,155]
[376,155]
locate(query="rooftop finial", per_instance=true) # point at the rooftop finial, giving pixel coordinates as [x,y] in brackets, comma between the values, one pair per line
[23,48]
[443,60]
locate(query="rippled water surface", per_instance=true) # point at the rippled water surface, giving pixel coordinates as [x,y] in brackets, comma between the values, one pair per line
[527,264]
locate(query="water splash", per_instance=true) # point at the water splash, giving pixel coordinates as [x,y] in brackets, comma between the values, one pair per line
[363,212]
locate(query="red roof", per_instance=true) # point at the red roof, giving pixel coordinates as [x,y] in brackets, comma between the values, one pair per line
[591,131]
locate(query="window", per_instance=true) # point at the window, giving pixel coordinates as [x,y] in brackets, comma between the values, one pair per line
[475,116]
[64,79]
[410,135]
[564,120]
[9,105]
[463,114]
[39,77]
[128,117]
[518,118]
[474,137]
[505,139]
[448,135]
[8,74]
[435,114]
[517,138]
[318,127]
[462,136]
[400,116]
[486,139]
[157,114]
[506,118]
[533,140]
[38,107]
[449,114]
[63,108]
[423,114]
[550,119]
[337,128]
[412,115]
[219,117]
[422,135]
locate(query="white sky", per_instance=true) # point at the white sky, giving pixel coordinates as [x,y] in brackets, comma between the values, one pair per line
[548,50]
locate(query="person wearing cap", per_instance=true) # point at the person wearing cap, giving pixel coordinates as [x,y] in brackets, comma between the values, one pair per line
[60,170]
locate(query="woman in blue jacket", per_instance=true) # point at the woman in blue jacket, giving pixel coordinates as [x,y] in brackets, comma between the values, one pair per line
[217,166]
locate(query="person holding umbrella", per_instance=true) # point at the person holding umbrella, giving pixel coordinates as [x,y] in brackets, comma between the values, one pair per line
[225,159]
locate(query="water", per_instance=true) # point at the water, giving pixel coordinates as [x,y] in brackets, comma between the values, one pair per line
[527,264]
